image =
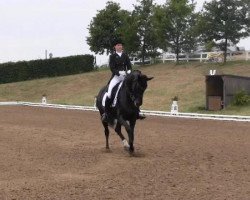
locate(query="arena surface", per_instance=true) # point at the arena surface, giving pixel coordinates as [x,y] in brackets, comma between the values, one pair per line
[59,154]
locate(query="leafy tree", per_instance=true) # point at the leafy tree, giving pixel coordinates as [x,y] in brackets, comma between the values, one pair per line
[224,21]
[177,26]
[160,21]
[191,39]
[129,34]
[247,3]
[143,14]
[107,25]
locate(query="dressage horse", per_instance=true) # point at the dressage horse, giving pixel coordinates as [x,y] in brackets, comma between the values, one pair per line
[125,112]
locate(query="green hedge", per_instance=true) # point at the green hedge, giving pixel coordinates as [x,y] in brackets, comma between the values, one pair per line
[34,69]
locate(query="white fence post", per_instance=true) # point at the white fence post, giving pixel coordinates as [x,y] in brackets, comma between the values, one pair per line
[247,55]
[230,56]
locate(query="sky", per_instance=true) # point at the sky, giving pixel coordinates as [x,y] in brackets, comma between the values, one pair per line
[29,27]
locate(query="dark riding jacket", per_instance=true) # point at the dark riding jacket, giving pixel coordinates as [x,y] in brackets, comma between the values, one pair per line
[119,63]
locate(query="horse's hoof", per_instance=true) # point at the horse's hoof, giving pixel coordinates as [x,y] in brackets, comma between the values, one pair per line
[126,148]
[107,150]
[125,143]
[131,150]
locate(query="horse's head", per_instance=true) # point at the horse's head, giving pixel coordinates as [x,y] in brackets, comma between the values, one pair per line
[136,84]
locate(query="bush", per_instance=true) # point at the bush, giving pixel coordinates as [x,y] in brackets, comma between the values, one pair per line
[34,69]
[241,98]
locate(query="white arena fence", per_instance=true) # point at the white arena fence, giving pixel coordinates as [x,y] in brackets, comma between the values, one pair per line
[215,57]
[146,112]
[202,57]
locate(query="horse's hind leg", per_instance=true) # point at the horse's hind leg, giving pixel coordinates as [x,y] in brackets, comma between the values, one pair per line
[118,130]
[106,131]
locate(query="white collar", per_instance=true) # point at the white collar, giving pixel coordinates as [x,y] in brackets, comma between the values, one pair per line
[119,53]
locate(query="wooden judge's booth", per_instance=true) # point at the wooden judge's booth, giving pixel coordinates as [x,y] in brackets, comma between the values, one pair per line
[220,89]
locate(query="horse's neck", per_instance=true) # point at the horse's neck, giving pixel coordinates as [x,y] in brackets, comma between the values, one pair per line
[125,100]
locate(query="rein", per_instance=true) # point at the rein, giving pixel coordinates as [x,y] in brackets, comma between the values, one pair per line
[130,94]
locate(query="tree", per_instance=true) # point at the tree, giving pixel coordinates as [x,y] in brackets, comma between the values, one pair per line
[224,21]
[177,28]
[107,25]
[247,3]
[143,14]
[129,34]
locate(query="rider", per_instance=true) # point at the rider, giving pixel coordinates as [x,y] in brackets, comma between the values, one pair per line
[120,65]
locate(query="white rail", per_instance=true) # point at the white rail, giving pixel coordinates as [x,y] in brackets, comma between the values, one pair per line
[202,57]
[135,61]
[146,112]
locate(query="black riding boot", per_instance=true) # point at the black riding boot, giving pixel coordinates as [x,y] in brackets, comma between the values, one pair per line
[107,108]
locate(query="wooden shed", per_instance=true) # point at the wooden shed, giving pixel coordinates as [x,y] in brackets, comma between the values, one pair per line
[220,89]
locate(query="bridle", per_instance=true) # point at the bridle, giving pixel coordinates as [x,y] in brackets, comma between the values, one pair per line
[132,95]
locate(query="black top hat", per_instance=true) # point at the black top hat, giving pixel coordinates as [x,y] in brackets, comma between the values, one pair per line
[117,41]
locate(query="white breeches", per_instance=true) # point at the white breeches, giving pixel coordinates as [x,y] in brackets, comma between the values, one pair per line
[116,79]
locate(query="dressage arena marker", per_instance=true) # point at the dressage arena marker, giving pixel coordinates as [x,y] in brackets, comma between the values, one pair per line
[174,108]
[44,100]
[146,112]
[212,72]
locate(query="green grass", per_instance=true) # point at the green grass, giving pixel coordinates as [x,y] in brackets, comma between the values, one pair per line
[186,80]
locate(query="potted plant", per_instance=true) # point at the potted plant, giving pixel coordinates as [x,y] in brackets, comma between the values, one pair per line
[175,98]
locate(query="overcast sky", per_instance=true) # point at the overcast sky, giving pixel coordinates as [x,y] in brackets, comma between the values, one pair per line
[29,27]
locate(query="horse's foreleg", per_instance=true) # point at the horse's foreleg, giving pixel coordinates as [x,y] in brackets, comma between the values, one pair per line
[131,135]
[106,131]
[118,130]
[130,131]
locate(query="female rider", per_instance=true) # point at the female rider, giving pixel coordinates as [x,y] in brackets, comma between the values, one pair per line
[120,65]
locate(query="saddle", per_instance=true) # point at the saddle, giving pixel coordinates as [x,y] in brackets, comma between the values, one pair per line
[114,94]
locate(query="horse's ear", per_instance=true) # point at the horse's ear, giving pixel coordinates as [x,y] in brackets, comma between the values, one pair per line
[149,78]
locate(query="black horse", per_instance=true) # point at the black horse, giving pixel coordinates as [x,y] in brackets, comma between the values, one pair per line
[129,99]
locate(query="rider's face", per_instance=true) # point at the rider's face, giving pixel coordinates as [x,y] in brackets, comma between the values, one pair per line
[118,47]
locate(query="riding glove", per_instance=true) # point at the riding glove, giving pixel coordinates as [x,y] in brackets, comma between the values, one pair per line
[123,73]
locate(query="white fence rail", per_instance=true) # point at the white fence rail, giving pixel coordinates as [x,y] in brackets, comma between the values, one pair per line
[138,61]
[202,57]
[146,112]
